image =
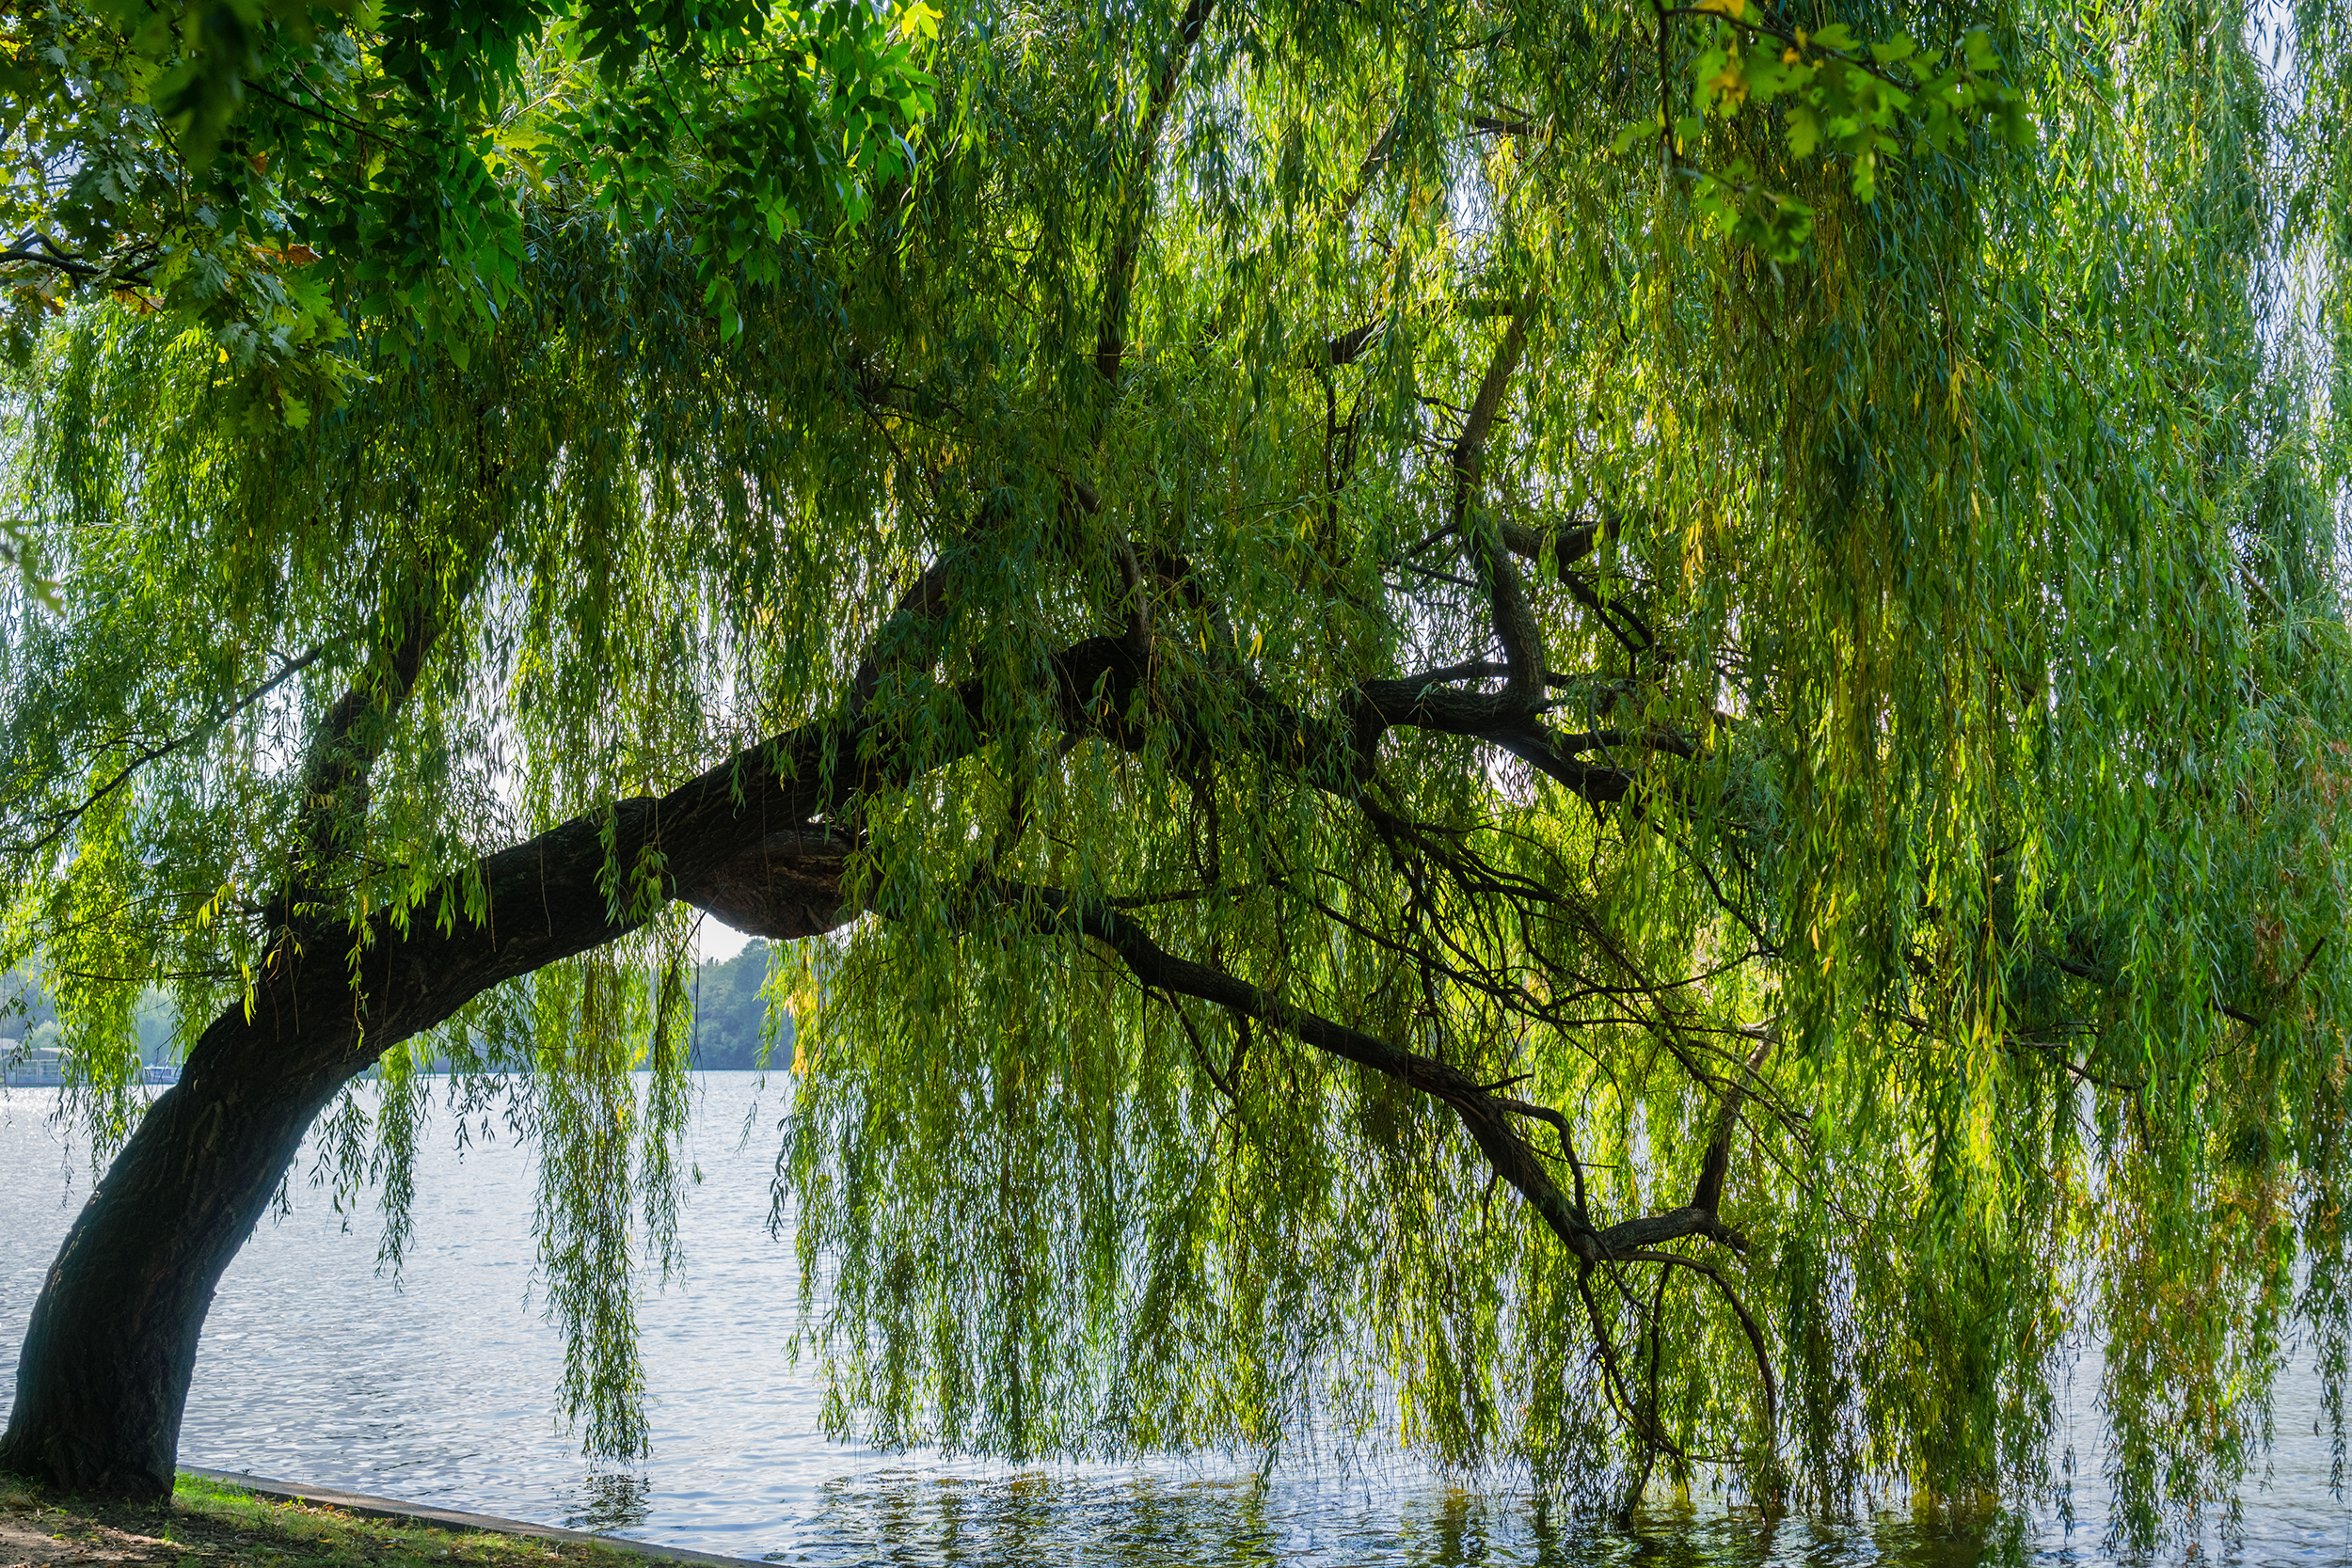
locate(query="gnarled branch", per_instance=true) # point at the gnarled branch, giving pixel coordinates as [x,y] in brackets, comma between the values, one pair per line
[1516,625]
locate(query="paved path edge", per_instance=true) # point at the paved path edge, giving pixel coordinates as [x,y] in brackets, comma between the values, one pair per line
[448,1518]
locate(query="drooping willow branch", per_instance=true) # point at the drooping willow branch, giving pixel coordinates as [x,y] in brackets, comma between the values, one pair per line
[55,825]
[1485,1116]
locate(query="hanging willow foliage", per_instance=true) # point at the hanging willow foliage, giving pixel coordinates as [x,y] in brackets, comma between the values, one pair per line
[1506,748]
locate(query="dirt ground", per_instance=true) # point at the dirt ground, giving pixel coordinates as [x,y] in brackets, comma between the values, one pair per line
[209,1526]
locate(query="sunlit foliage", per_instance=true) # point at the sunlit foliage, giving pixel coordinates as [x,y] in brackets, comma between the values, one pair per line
[1506,642]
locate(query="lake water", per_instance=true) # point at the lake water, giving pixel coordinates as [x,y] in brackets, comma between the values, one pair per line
[315,1369]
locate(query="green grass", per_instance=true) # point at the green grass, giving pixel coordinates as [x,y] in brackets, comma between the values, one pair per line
[209,1524]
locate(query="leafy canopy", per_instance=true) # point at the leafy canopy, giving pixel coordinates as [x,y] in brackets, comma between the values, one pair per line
[1732,629]
[277,171]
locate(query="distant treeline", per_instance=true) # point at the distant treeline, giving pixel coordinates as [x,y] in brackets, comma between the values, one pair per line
[29,1017]
[729,1012]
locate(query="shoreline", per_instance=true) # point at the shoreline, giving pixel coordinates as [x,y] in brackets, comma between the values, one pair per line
[368,1506]
[223,1519]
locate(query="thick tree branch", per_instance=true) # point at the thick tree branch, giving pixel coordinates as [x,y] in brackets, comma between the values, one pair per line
[333,803]
[1709,1194]
[1110,344]
[1101,676]
[1516,625]
[1740,1310]
[1119,269]
[920,607]
[1485,1115]
[1343,349]
[742,839]
[2109,982]
[1567,547]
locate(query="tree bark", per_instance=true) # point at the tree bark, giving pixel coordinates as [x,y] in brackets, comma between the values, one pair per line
[104,1373]
[104,1376]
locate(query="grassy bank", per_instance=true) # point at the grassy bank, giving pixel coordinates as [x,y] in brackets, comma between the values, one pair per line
[215,1525]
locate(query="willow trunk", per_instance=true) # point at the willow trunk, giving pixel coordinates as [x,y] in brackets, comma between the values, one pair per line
[102,1378]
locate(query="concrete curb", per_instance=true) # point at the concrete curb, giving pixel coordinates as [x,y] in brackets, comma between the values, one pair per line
[447,1518]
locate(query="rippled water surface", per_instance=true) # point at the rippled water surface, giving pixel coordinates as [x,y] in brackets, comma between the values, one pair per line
[315,1369]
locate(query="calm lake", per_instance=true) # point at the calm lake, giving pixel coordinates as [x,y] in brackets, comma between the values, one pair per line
[316,1369]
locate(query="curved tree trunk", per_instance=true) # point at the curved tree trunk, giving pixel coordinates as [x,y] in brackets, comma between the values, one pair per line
[103,1379]
[103,1375]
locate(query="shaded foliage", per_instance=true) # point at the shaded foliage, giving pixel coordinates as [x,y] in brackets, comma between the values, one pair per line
[1481,790]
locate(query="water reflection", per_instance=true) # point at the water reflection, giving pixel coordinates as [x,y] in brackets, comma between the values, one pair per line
[612,1500]
[443,1390]
[1048,1517]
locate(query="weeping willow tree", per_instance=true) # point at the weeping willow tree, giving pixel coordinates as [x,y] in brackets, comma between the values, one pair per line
[1606,739]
